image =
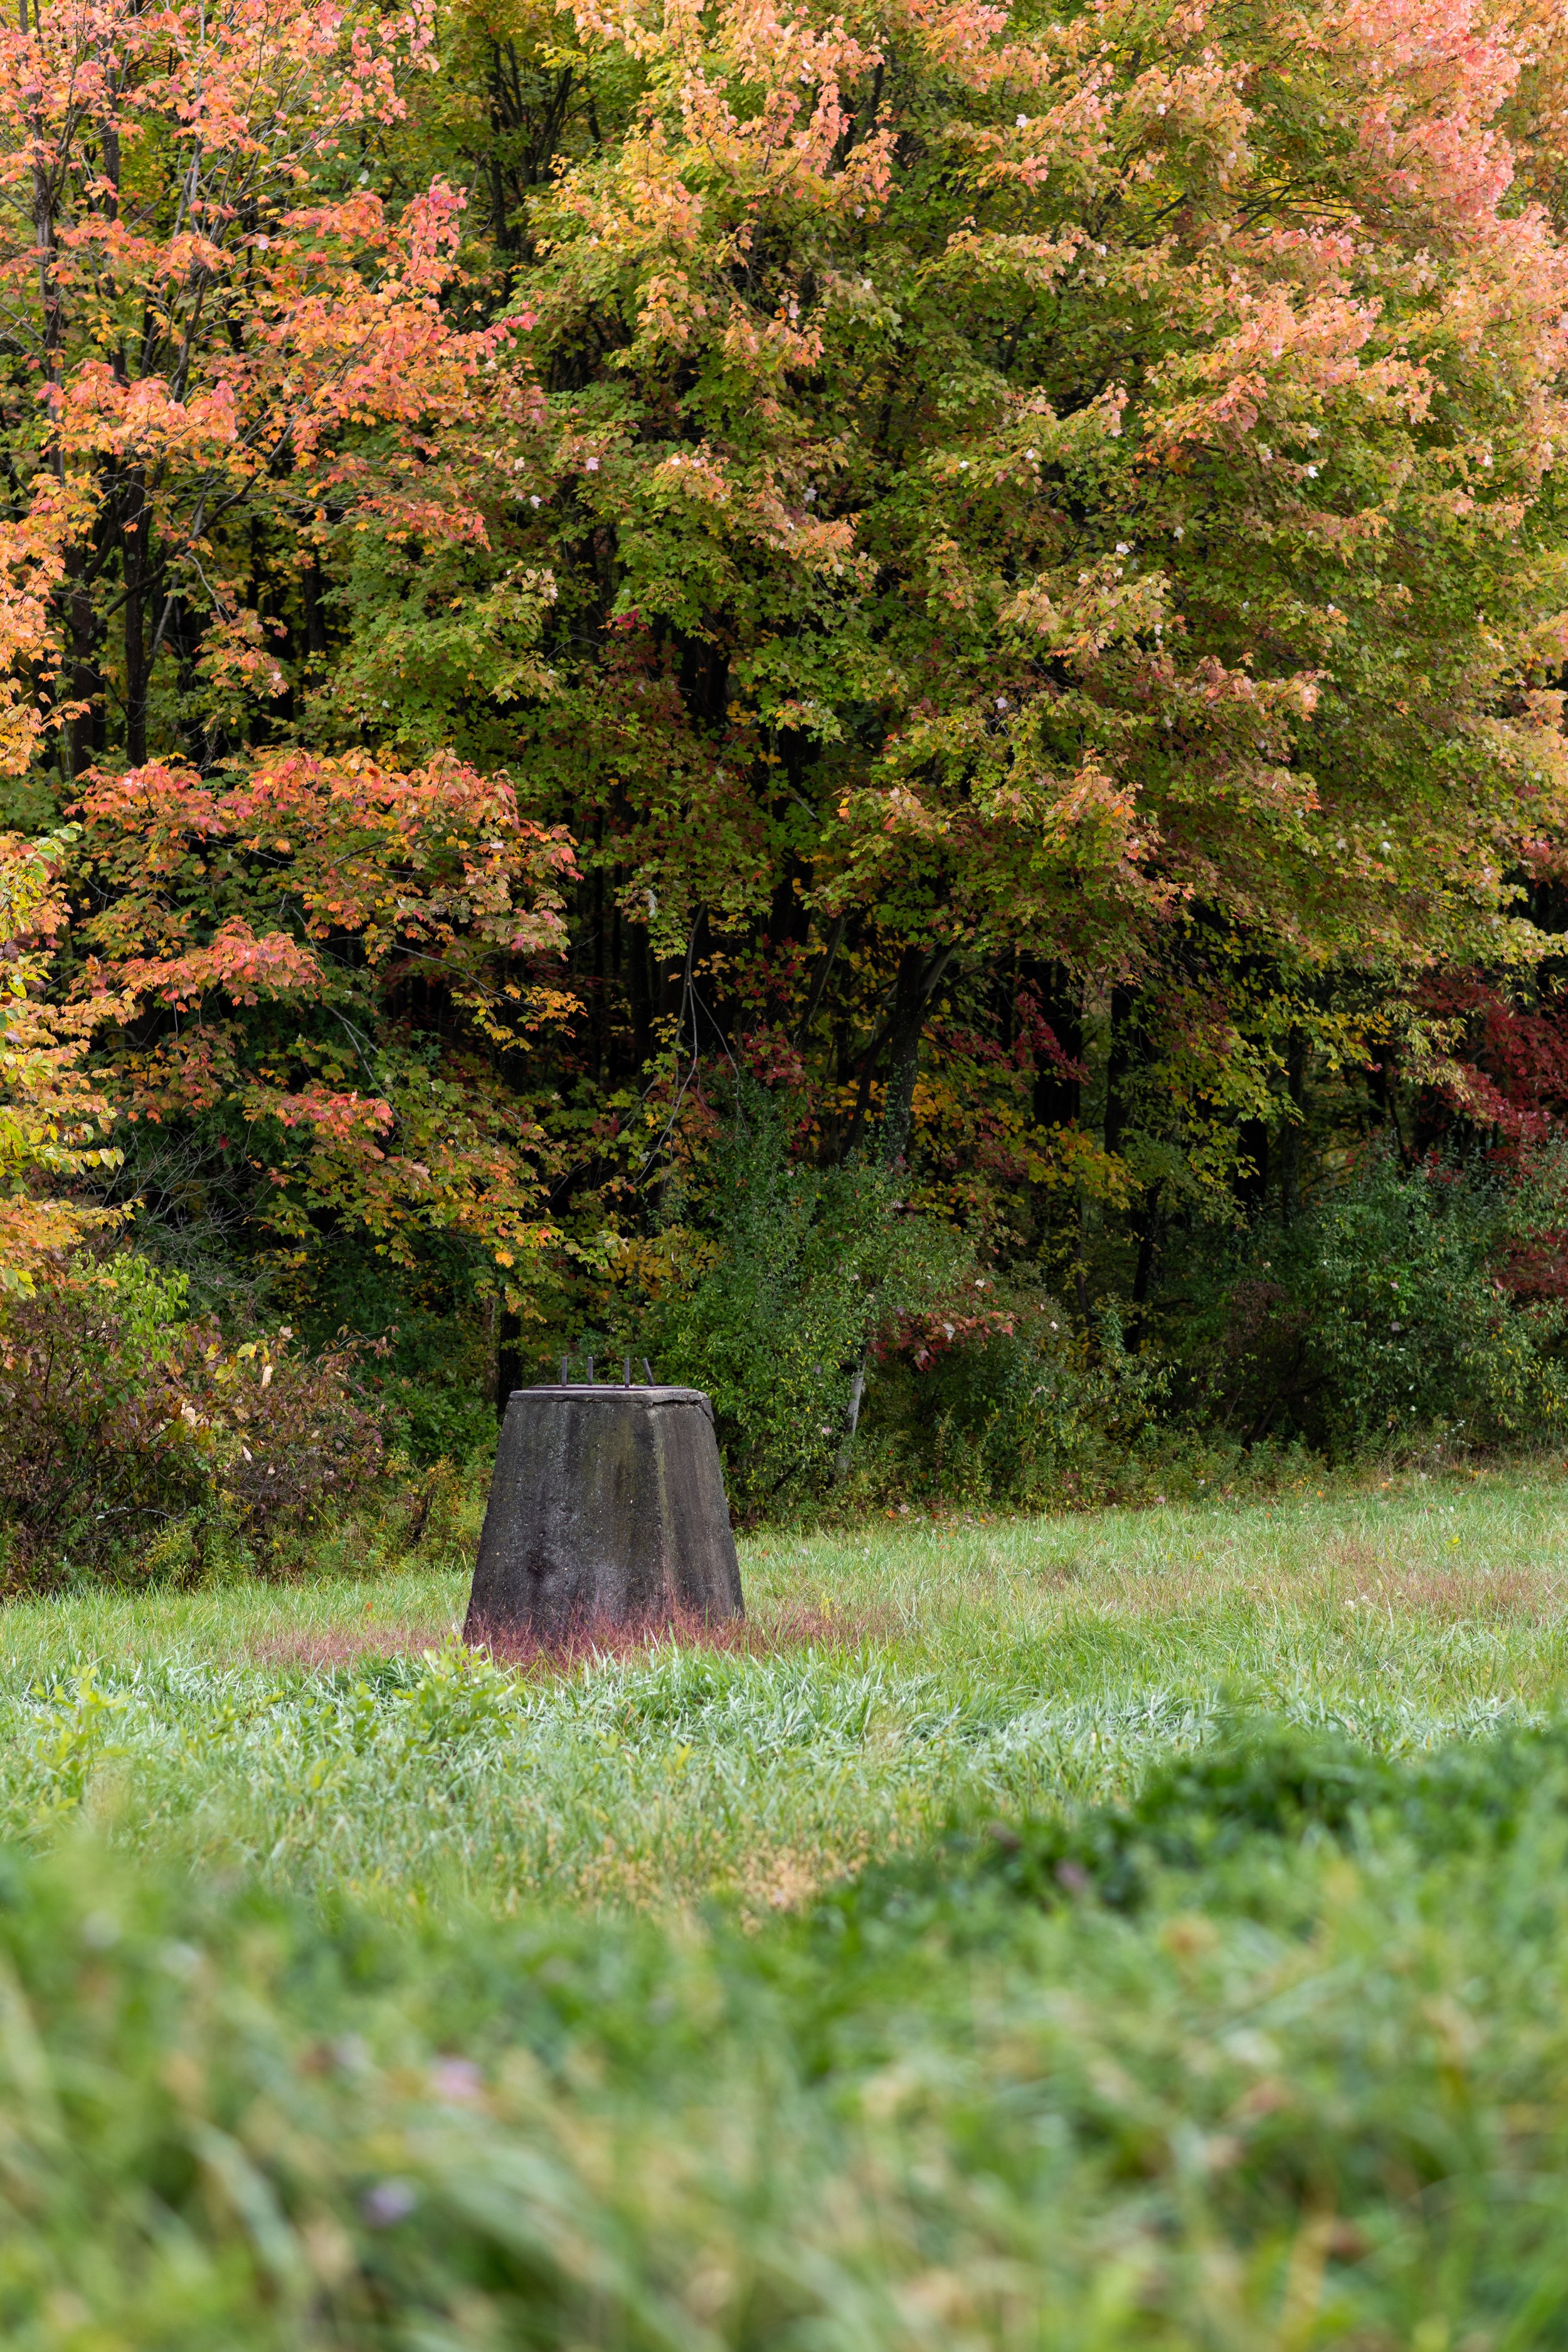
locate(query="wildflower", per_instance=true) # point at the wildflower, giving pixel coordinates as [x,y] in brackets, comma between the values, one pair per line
[389,2201]
[457,2079]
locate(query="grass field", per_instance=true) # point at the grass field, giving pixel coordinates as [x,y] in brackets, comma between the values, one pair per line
[1119,1930]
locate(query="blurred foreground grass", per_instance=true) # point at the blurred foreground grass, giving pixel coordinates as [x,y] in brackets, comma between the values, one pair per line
[353,1991]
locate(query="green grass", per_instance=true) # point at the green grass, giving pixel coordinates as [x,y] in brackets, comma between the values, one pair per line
[356,1992]
[922,1670]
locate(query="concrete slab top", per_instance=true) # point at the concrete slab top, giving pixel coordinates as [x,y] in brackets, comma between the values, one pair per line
[639,1392]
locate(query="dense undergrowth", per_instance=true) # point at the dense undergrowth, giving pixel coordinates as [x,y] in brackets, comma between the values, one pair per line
[143,1438]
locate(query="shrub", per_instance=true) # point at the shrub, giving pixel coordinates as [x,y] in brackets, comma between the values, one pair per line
[1028,1412]
[1392,1307]
[800,1269]
[131,1430]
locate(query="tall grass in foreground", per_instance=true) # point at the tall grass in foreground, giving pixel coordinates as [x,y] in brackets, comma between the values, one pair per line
[964,1968]
[1310,2087]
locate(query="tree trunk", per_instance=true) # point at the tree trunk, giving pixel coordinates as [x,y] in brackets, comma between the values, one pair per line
[1147,1249]
[819,979]
[1290,1131]
[315,617]
[1118,1091]
[135,546]
[509,1358]
[638,993]
[919,975]
[920,972]
[86,685]
[1058,1096]
[851,1418]
[1252,1182]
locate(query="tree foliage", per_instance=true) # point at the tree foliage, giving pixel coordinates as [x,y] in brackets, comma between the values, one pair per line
[53,1120]
[996,571]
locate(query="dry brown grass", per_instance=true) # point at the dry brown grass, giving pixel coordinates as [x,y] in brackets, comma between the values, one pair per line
[771,1878]
[1449,1595]
[1352,1574]
[795,1626]
[784,1878]
[1451,1592]
[327,1649]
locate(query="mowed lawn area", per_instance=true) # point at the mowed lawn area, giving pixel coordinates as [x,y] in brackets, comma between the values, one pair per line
[1133,1928]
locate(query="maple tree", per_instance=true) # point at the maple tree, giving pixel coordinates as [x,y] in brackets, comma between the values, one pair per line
[224,349]
[197,290]
[374,885]
[1047,513]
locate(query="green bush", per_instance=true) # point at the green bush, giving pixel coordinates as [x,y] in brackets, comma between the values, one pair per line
[435,1393]
[433,1371]
[1029,1415]
[1403,1305]
[1265,1780]
[1386,1312]
[801,1268]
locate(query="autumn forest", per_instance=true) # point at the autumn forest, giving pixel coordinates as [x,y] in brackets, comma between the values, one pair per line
[870,705]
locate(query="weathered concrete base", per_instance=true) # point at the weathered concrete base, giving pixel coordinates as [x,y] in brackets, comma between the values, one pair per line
[606,1508]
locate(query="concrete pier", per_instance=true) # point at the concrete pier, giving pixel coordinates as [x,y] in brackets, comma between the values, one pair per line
[606,1508]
